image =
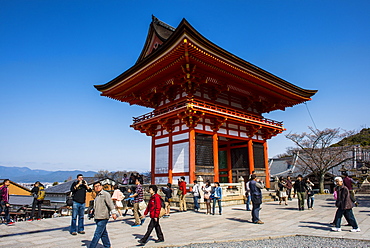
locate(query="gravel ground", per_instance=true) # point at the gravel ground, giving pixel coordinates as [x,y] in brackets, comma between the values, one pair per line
[295,241]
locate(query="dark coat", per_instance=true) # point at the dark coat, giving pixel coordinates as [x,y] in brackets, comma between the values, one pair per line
[343,198]
[300,186]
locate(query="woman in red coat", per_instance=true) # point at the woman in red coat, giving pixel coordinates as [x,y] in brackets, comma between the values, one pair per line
[154,208]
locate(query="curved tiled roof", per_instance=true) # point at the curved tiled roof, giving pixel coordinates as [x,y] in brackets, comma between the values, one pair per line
[184,43]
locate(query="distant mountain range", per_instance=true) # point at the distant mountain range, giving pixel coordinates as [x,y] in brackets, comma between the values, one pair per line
[26,175]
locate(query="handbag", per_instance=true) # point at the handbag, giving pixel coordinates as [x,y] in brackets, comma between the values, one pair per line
[142,205]
[69,200]
[179,192]
[162,213]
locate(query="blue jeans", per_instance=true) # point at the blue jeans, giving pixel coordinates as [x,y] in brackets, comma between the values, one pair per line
[310,201]
[219,205]
[4,208]
[77,209]
[248,202]
[348,214]
[100,233]
[196,204]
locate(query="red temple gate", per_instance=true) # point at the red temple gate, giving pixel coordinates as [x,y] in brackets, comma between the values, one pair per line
[208,104]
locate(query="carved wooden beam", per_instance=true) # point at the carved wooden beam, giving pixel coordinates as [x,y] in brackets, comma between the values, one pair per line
[269,133]
[148,129]
[190,84]
[190,116]
[252,130]
[217,123]
[167,124]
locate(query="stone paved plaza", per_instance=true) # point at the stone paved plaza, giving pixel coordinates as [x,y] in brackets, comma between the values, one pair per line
[186,228]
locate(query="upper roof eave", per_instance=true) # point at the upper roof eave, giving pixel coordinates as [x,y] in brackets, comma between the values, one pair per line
[184,28]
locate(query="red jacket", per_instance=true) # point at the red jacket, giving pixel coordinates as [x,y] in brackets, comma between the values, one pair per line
[154,206]
[182,186]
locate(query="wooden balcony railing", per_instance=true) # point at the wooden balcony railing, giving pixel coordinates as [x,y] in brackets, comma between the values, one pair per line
[207,107]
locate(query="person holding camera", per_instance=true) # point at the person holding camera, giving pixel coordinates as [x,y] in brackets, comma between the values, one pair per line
[256,195]
[78,189]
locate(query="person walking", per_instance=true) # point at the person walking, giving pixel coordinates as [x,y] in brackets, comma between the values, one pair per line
[103,207]
[196,195]
[300,189]
[347,181]
[217,198]
[167,191]
[117,198]
[154,208]
[38,193]
[128,202]
[4,201]
[310,194]
[344,205]
[256,195]
[138,197]
[78,189]
[289,186]
[182,195]
[282,191]
[207,189]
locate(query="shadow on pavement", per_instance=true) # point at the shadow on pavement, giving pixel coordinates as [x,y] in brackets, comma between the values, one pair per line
[287,208]
[64,229]
[316,225]
[240,209]
[240,220]
[87,243]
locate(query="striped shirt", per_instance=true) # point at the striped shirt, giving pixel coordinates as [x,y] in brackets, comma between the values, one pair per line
[139,192]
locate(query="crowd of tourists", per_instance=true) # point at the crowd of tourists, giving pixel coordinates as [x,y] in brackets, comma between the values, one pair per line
[131,196]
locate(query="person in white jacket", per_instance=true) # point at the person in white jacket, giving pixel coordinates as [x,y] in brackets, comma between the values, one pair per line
[196,195]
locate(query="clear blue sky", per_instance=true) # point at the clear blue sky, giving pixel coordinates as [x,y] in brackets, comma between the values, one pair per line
[53,52]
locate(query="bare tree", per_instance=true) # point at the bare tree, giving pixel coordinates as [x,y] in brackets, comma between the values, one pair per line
[115,175]
[102,174]
[315,152]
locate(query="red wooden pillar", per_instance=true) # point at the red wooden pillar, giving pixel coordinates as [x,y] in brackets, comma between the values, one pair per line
[153,161]
[229,166]
[191,155]
[216,177]
[170,156]
[250,156]
[267,171]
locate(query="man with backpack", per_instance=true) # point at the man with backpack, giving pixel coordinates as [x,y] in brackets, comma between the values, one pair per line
[4,201]
[38,193]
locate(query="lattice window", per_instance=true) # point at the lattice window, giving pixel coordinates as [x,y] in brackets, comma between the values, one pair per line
[259,155]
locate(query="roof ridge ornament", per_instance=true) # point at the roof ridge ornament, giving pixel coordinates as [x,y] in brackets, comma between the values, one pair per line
[159,22]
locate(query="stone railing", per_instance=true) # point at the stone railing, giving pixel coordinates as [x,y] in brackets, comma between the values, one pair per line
[232,193]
